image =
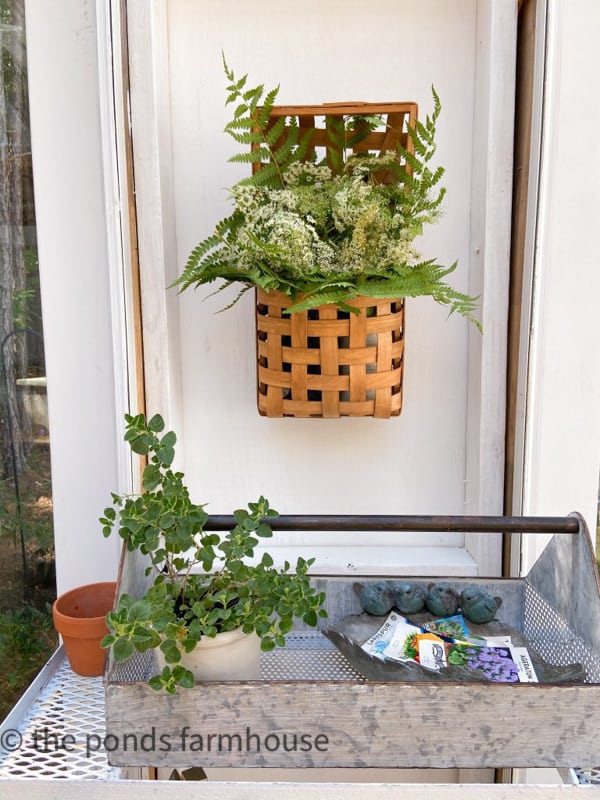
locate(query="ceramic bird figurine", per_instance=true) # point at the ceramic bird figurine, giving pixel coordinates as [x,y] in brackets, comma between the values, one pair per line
[478,606]
[409,598]
[375,598]
[441,599]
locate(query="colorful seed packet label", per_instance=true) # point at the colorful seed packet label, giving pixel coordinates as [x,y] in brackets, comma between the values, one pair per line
[395,627]
[499,664]
[455,626]
[404,643]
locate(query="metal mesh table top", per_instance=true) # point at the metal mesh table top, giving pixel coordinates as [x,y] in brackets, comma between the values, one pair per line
[63,733]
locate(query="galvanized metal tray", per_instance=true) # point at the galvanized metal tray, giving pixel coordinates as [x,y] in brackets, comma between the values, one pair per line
[313,708]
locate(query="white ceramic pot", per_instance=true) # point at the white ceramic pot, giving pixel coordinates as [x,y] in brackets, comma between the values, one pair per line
[229,656]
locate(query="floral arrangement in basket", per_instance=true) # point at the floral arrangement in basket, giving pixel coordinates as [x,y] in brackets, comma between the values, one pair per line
[326,231]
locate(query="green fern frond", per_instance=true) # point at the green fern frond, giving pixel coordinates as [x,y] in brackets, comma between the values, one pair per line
[323,298]
[241,292]
[267,176]
[304,143]
[253,96]
[264,113]
[251,156]
[359,127]
[242,124]
[275,132]
[240,111]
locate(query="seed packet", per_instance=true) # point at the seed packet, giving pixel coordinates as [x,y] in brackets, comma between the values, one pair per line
[454,627]
[404,645]
[394,626]
[522,659]
[500,664]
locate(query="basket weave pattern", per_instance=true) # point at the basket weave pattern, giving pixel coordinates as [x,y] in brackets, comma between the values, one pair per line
[329,363]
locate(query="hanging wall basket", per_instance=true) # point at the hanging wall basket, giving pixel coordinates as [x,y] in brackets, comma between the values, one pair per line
[326,362]
[329,363]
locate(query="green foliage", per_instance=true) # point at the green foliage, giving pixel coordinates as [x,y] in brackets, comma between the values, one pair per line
[326,231]
[204,583]
[27,638]
[32,516]
[24,298]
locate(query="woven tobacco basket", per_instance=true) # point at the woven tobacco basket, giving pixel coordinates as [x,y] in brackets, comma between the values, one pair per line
[329,363]
[326,362]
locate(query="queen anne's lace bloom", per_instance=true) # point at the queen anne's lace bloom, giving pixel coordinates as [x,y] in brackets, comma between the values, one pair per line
[321,224]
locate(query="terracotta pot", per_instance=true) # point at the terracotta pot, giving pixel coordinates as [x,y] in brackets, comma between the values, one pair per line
[229,656]
[79,617]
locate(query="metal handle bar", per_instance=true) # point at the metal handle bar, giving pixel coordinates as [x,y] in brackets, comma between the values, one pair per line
[404,523]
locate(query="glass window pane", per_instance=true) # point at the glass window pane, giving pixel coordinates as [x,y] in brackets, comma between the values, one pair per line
[27,580]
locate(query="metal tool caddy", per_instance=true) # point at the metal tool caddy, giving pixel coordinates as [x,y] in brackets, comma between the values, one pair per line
[310,688]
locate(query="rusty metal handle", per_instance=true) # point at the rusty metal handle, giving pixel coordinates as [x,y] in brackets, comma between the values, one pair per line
[408,524]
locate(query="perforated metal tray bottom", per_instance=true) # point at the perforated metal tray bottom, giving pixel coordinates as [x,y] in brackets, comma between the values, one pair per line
[307,656]
[62,735]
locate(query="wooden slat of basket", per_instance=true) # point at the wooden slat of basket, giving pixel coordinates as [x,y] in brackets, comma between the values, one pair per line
[274,397]
[306,123]
[328,383]
[312,408]
[275,377]
[357,107]
[332,148]
[328,345]
[383,396]
[383,380]
[301,355]
[358,372]
[298,382]
[345,357]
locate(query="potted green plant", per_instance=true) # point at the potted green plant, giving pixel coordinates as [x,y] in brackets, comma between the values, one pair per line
[206,587]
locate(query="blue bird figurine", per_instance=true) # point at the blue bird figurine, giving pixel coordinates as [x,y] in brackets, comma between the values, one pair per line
[478,606]
[441,599]
[375,598]
[409,598]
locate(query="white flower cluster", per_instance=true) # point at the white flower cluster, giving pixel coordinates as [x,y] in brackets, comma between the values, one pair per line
[322,224]
[305,173]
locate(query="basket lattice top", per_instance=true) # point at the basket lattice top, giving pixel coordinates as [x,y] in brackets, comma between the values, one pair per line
[316,121]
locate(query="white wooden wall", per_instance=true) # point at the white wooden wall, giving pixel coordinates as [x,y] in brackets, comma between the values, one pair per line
[420,462]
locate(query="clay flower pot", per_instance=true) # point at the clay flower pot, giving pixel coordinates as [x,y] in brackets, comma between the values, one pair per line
[79,617]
